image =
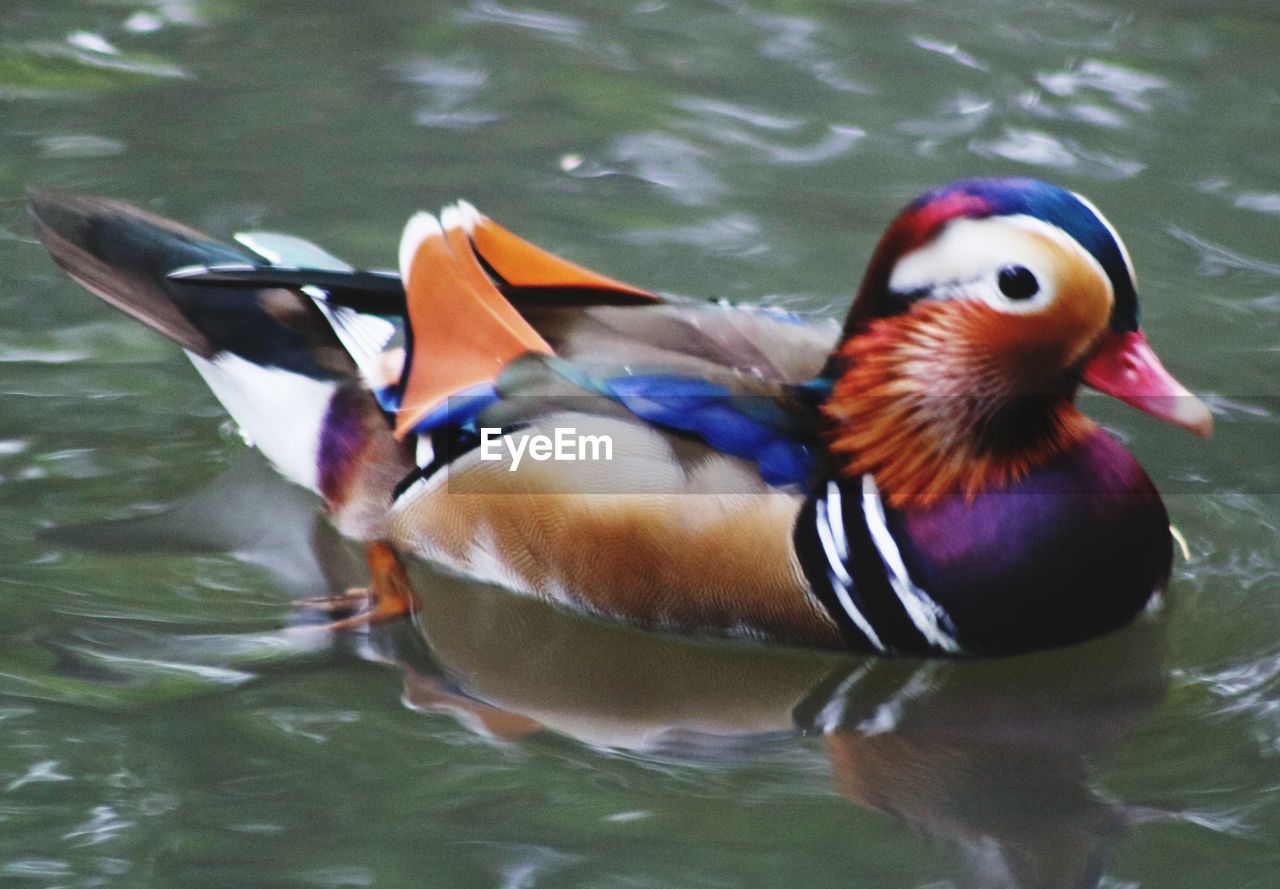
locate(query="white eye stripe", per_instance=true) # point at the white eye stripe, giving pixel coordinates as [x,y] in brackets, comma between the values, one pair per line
[964,262]
[987,289]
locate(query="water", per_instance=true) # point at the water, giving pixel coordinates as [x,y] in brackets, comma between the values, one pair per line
[157,728]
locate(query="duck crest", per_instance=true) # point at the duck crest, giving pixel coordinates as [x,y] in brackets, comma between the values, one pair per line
[926,406]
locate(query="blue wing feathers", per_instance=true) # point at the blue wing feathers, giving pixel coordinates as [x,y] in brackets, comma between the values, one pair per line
[748,426]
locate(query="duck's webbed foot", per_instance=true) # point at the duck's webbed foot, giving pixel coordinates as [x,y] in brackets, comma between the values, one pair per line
[389,595]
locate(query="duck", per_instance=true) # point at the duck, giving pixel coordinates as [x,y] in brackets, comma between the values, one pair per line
[916,480]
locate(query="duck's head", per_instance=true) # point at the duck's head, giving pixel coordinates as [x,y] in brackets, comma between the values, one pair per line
[986,303]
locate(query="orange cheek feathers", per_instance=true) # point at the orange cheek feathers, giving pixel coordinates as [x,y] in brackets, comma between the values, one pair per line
[1033,351]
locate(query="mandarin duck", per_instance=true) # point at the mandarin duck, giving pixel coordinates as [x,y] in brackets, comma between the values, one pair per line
[917,480]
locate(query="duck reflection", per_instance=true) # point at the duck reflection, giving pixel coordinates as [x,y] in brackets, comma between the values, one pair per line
[995,756]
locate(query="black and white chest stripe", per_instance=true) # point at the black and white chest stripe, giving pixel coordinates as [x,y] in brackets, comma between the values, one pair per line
[855,568]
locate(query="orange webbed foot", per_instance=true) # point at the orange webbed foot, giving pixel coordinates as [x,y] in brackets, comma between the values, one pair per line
[389,595]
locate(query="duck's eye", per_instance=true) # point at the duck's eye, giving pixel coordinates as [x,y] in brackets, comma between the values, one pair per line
[1017,282]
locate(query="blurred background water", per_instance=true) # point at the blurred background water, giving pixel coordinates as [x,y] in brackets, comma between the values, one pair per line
[156,728]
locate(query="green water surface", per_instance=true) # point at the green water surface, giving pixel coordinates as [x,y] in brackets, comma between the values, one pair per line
[157,729]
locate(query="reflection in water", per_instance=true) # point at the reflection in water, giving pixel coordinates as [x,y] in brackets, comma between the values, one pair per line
[991,756]
[997,758]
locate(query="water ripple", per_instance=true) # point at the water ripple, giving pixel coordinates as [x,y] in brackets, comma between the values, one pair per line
[43,772]
[794,41]
[456,120]
[79,146]
[450,82]
[91,42]
[104,825]
[1252,688]
[962,114]
[1216,260]
[1130,89]
[449,90]
[735,234]
[143,23]
[308,723]
[950,51]
[113,61]
[1261,201]
[36,868]
[340,875]
[156,669]
[1041,149]
[174,12]
[530,19]
[678,166]
[739,112]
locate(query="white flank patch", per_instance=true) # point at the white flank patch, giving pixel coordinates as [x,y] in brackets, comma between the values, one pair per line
[419,227]
[282,413]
